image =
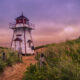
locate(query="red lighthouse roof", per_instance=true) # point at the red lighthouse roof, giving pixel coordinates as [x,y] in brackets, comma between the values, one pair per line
[22,17]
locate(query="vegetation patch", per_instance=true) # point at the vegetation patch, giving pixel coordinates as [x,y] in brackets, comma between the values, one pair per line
[11,58]
[62,62]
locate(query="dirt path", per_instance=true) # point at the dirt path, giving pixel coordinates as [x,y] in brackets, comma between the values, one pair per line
[17,71]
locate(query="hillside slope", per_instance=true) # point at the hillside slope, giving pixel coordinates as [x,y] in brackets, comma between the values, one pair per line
[62,62]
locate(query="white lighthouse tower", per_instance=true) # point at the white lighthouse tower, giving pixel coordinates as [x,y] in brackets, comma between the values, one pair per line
[22,38]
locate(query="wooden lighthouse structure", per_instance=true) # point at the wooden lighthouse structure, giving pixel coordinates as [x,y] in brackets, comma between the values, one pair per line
[22,38]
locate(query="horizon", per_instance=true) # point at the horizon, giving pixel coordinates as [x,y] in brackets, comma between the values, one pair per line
[55,21]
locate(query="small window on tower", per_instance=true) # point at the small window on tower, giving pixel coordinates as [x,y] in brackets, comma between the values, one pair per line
[19,20]
[24,21]
[29,42]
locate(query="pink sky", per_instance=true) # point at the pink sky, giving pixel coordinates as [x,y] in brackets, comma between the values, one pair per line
[44,35]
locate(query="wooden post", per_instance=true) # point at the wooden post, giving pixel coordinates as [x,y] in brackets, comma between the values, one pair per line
[25,41]
[32,40]
[41,59]
[3,56]
[20,54]
[15,45]
[12,38]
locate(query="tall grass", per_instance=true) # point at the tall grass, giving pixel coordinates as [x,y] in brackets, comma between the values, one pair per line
[62,63]
[11,58]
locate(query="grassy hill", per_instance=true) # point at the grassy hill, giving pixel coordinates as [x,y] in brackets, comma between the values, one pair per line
[62,62]
[11,57]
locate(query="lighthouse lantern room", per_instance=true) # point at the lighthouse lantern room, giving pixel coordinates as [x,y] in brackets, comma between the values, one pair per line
[22,38]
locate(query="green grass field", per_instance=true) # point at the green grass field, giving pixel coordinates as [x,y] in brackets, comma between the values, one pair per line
[62,62]
[10,59]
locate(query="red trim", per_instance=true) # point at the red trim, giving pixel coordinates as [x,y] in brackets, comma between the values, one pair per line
[25,41]
[15,45]
[12,39]
[31,37]
[19,21]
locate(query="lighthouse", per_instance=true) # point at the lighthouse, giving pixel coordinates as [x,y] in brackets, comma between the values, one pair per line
[22,38]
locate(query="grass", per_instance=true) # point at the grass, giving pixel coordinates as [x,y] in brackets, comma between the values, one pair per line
[62,62]
[11,58]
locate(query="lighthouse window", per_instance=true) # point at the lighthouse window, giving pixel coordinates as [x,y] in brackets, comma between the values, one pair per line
[29,42]
[20,20]
[24,20]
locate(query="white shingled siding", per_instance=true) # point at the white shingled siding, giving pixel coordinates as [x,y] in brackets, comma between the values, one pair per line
[28,37]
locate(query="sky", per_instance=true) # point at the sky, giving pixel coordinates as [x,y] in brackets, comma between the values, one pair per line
[54,20]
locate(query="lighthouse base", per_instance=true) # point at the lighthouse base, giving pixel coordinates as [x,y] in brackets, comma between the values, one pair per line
[28,54]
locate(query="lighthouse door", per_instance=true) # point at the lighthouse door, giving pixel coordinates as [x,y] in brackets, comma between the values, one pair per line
[18,43]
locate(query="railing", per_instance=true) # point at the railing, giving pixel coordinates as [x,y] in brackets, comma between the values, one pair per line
[14,25]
